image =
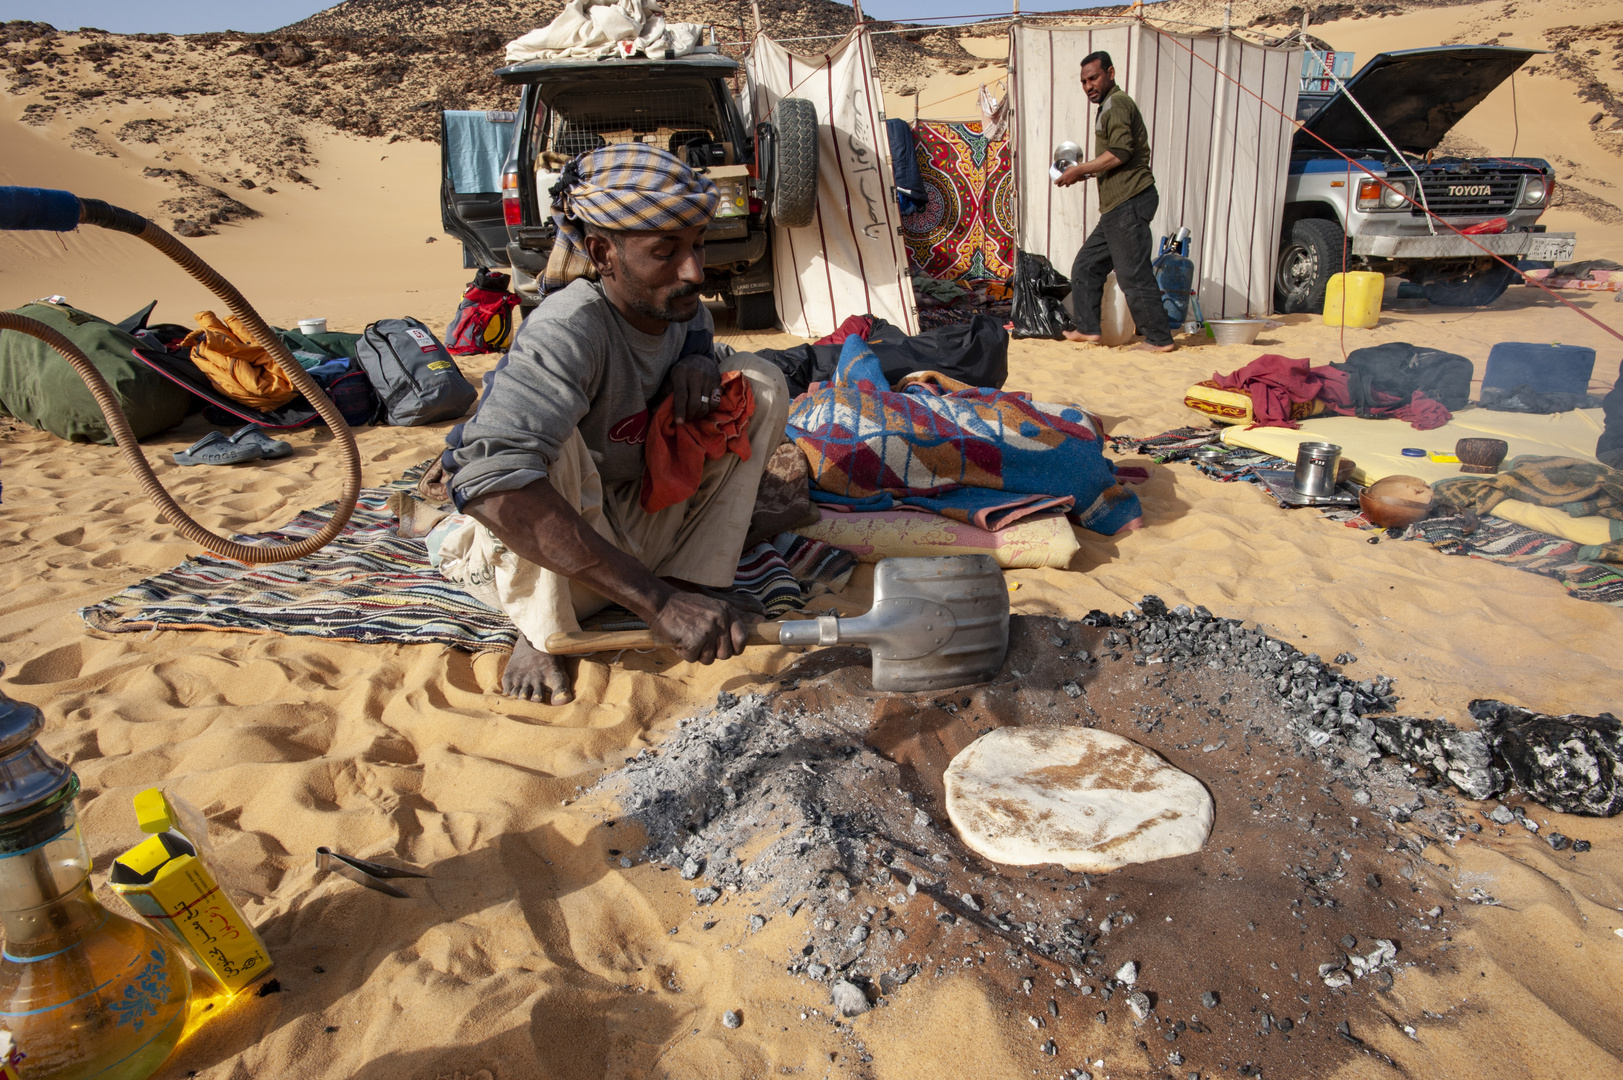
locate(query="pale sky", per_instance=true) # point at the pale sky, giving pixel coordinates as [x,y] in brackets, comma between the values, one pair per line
[197,16]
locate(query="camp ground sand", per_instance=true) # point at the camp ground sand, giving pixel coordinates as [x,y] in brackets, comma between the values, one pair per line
[533,951]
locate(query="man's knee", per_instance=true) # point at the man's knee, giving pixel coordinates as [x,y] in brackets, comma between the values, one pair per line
[767,382]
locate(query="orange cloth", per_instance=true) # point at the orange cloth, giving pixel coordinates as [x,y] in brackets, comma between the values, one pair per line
[226,355]
[675,454]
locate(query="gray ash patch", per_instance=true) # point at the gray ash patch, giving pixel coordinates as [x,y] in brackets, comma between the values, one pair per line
[820,803]
[760,796]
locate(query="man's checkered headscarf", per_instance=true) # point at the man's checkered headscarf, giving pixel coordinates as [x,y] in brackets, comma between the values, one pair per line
[626,186]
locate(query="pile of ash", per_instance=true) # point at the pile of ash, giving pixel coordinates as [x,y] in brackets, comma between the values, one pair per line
[821,802]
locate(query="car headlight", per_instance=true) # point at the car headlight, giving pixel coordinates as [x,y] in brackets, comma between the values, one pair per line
[1534,191]
[1396,195]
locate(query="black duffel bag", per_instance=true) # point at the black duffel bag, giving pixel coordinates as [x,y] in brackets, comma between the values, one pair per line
[1383,378]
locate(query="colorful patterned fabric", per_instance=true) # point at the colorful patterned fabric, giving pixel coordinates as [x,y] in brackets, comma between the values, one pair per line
[1498,540]
[370,585]
[975,455]
[1581,488]
[624,187]
[966,230]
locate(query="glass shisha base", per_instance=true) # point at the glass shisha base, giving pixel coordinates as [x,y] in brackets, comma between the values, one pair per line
[109,1007]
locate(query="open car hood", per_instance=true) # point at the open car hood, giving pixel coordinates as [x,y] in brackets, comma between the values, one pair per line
[1415,95]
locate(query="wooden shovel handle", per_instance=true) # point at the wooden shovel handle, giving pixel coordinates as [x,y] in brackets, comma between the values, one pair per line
[582,642]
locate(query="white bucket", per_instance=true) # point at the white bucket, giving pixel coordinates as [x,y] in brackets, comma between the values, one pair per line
[312,326]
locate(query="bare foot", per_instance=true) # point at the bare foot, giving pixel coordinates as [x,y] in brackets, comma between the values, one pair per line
[1077,335]
[1145,346]
[533,675]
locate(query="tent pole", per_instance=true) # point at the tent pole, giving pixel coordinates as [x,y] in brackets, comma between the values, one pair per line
[756,4]
[857,7]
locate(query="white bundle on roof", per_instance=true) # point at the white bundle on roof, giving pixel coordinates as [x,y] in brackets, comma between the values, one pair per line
[588,28]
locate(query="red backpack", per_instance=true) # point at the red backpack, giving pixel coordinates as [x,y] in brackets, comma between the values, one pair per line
[484,320]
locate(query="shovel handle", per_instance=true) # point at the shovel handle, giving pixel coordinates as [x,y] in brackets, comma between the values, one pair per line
[582,642]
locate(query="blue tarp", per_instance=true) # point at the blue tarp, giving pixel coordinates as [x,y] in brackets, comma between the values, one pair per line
[476,145]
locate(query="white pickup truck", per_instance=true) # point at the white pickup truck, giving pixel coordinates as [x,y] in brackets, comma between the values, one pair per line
[1335,212]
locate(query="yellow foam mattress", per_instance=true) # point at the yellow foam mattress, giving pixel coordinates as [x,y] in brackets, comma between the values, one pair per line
[1376,448]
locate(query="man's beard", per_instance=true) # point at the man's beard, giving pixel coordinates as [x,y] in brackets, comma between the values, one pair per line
[649,309]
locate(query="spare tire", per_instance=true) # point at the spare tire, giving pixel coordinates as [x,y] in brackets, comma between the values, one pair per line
[794,173]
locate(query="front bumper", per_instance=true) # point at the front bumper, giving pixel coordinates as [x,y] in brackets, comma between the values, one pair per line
[1544,247]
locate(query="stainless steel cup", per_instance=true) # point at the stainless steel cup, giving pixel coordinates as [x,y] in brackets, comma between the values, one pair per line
[1316,464]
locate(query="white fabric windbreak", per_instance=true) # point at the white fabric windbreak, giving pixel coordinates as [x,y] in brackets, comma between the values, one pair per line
[1219,152]
[850,259]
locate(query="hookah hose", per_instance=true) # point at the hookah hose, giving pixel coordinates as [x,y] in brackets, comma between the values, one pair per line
[61,211]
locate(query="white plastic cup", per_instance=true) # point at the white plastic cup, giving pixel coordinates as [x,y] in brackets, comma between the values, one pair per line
[312,326]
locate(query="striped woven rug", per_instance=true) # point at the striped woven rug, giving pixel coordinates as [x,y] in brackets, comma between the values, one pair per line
[370,585]
[1498,540]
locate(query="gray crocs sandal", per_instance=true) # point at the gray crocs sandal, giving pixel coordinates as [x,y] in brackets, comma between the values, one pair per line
[251,435]
[216,449]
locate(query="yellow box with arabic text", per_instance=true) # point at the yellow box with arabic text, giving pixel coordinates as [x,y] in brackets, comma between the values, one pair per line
[168,885]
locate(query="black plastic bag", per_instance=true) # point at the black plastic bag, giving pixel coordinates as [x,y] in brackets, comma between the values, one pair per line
[1038,292]
[1383,378]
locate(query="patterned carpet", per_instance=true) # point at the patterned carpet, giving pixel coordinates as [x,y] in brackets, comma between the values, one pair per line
[966,230]
[370,585]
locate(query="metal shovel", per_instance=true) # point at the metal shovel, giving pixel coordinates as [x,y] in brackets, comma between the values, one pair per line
[936,623]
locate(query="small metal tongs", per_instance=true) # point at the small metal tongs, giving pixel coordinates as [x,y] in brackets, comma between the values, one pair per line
[363,872]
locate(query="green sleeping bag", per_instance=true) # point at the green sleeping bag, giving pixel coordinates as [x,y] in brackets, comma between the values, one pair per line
[41,388]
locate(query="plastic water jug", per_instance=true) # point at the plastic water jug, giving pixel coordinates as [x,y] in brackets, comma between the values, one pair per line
[1175,275]
[1115,321]
[1354,299]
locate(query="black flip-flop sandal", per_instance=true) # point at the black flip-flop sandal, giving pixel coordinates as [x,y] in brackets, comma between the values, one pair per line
[216,449]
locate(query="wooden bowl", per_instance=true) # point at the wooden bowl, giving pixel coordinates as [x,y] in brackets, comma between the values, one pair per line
[1481,455]
[1396,501]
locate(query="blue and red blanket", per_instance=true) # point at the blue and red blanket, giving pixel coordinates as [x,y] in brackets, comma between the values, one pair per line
[977,455]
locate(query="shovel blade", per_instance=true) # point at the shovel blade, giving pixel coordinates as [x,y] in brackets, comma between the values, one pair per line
[971,587]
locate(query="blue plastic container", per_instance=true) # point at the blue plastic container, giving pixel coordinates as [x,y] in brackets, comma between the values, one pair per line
[1175,274]
[1547,368]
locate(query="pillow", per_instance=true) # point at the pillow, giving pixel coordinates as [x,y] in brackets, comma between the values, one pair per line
[874,535]
[1234,406]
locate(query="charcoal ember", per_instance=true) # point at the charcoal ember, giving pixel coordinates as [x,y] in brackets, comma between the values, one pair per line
[1572,764]
[1153,606]
[1464,757]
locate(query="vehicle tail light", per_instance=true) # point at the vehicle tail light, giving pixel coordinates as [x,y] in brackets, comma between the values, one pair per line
[512,209]
[756,205]
[1369,194]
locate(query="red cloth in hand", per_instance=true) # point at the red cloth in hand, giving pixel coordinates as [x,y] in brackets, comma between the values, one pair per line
[860,325]
[1275,383]
[675,454]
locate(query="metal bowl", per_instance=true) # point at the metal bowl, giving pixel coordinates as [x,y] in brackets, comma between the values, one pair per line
[1067,154]
[1235,331]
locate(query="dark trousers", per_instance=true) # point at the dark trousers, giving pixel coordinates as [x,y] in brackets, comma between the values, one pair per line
[1121,242]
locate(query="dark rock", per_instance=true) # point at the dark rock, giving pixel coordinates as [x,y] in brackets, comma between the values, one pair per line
[1209,999]
[1557,841]
[1580,845]
[1373,880]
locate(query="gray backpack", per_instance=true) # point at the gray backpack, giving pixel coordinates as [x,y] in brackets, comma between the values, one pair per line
[416,380]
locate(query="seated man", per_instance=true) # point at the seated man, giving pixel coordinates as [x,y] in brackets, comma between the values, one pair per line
[550,468]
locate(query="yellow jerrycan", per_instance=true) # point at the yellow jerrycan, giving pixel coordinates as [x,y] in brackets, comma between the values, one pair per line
[1353,299]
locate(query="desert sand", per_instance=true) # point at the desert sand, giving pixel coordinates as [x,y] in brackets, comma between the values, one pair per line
[531,952]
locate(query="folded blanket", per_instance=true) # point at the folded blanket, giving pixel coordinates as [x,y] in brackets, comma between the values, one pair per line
[1581,488]
[975,455]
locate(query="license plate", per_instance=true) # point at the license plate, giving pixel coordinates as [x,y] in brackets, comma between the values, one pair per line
[1551,248]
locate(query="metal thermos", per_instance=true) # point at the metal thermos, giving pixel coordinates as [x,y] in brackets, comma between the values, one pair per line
[1316,464]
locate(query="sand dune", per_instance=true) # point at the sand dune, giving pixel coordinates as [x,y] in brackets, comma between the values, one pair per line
[531,952]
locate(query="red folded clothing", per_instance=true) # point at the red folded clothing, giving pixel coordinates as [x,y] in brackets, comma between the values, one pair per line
[860,325]
[1276,382]
[675,454]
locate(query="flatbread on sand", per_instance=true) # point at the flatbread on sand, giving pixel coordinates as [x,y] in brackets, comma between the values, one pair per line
[1086,799]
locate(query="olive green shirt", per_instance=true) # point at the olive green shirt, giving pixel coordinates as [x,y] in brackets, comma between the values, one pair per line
[1120,130]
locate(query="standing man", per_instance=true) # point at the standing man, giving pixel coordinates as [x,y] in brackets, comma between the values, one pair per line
[1127,201]
[549,473]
